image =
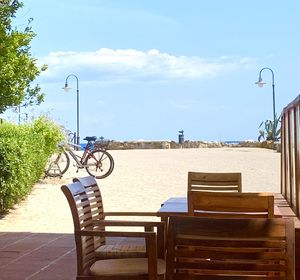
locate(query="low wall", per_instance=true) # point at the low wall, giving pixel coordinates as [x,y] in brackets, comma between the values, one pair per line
[129,145]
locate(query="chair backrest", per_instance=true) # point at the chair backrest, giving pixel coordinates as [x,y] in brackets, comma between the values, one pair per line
[212,248]
[96,203]
[222,204]
[220,182]
[94,194]
[82,219]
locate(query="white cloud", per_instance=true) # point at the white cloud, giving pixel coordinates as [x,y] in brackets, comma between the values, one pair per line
[125,65]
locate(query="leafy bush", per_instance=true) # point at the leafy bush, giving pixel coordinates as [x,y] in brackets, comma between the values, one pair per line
[24,150]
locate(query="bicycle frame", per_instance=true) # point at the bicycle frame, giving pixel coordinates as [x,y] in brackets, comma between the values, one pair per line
[79,159]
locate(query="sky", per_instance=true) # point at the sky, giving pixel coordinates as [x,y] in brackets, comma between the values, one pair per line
[148,69]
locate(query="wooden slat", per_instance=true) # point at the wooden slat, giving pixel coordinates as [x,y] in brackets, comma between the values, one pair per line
[241,243]
[230,254]
[212,188]
[228,265]
[284,161]
[213,182]
[188,276]
[295,159]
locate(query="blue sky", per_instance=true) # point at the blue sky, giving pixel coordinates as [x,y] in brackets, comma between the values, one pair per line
[148,69]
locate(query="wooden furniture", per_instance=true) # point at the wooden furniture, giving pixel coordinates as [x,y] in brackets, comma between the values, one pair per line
[221,182]
[289,146]
[118,247]
[88,267]
[234,204]
[214,249]
[179,206]
[173,206]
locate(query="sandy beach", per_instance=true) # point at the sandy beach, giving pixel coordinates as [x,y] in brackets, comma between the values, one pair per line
[141,181]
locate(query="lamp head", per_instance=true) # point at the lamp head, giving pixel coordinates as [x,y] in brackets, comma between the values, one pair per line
[260,82]
[66,88]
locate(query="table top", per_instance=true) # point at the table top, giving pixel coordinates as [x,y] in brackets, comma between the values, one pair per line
[174,205]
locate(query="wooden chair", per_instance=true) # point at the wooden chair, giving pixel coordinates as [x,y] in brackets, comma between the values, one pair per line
[88,267]
[119,247]
[238,205]
[221,249]
[220,182]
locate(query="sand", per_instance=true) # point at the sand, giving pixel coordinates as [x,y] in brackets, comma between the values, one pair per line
[141,181]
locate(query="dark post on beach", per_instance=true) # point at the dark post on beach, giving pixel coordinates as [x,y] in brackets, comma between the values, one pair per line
[180,137]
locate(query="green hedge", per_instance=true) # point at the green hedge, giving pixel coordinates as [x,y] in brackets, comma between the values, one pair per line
[24,150]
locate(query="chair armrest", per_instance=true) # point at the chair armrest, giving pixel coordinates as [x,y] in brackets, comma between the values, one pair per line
[103,233]
[141,214]
[128,223]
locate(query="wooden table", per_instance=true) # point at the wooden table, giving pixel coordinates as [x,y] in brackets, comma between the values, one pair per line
[173,206]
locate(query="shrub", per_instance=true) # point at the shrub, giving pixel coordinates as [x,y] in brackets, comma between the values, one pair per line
[271,130]
[24,150]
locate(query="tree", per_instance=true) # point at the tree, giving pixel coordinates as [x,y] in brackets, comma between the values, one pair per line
[17,66]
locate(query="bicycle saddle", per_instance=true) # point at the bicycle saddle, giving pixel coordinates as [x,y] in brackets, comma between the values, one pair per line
[90,138]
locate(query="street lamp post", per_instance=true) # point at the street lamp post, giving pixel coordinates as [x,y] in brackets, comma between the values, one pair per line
[19,111]
[261,83]
[67,88]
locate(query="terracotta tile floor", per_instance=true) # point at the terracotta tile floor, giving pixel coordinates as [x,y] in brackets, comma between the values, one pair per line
[32,256]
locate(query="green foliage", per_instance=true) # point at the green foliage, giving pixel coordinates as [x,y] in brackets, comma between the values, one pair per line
[17,67]
[271,131]
[24,151]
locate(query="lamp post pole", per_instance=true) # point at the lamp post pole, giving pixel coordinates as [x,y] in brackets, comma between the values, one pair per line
[66,88]
[261,83]
[19,111]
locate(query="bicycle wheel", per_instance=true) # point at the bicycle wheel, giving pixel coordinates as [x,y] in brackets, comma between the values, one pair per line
[57,164]
[99,164]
